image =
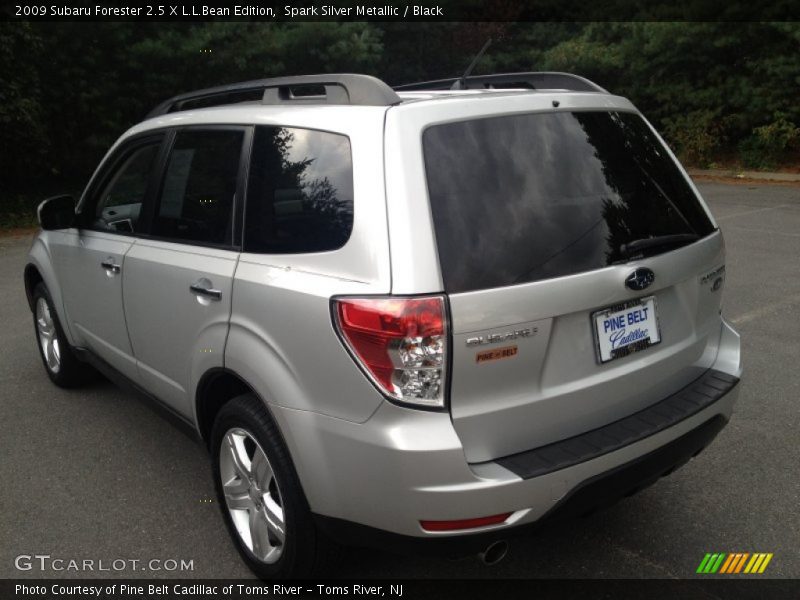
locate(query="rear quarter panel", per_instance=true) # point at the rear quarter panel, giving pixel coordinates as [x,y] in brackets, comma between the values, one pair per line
[281,338]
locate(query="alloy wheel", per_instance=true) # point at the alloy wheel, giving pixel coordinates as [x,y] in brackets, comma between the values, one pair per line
[48,337]
[252,495]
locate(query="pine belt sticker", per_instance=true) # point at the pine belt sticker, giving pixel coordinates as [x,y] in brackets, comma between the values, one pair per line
[496,354]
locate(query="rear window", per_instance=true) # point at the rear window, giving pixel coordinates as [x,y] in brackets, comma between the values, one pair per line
[300,191]
[528,197]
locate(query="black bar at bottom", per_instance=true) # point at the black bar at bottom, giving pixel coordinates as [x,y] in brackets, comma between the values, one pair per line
[524,589]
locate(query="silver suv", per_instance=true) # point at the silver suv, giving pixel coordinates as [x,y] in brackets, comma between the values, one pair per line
[418,317]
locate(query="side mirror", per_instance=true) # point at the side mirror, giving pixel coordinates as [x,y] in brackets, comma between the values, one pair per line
[57,212]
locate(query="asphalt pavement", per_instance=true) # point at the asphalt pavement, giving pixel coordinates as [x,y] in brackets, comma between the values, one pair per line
[96,475]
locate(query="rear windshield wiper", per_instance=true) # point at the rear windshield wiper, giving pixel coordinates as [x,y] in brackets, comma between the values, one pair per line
[660,241]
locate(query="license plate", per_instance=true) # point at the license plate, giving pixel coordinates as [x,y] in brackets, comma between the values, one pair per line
[626,328]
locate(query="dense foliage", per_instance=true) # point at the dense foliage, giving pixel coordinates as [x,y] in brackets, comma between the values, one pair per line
[715,90]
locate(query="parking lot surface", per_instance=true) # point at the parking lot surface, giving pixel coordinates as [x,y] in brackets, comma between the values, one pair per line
[95,474]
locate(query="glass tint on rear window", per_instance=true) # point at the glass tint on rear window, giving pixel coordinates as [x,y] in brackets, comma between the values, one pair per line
[528,197]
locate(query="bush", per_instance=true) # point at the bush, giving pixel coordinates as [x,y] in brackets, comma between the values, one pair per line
[768,144]
[696,136]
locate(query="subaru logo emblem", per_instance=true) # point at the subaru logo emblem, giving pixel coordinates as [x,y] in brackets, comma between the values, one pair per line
[640,279]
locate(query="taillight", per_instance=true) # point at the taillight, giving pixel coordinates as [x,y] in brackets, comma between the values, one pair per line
[401,343]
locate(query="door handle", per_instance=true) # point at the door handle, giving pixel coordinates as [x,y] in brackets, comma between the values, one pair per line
[199,289]
[110,266]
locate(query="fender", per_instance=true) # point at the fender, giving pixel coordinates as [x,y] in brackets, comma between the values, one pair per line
[39,258]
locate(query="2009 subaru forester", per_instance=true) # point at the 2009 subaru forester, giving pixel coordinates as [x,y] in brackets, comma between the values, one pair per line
[398,317]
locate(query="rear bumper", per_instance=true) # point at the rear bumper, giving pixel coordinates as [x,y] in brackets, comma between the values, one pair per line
[596,492]
[402,466]
[695,397]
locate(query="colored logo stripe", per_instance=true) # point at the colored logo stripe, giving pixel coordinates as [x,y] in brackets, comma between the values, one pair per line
[711,563]
[758,563]
[734,562]
[726,565]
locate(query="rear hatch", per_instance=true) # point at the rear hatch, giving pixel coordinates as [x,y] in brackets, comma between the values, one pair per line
[540,219]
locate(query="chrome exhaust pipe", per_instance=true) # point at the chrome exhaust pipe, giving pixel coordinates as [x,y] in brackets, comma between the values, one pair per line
[494,553]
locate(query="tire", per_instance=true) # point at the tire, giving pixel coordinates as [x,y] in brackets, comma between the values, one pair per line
[263,495]
[62,366]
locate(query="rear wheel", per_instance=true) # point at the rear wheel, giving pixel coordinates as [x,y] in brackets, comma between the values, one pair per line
[260,495]
[60,362]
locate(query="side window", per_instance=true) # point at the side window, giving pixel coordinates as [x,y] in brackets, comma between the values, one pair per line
[197,194]
[120,202]
[300,191]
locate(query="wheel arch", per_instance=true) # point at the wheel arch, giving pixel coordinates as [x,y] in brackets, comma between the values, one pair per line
[32,278]
[218,386]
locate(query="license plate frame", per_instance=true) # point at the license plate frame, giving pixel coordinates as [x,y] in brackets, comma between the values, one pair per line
[605,350]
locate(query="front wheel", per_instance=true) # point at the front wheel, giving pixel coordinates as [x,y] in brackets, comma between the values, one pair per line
[61,364]
[260,495]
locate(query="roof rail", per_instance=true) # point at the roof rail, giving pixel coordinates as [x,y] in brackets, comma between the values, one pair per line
[529,80]
[338,88]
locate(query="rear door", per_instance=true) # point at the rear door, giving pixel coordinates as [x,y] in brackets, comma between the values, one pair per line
[178,278]
[573,252]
